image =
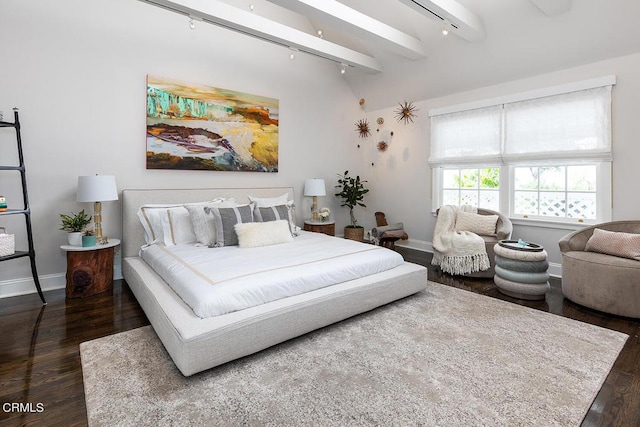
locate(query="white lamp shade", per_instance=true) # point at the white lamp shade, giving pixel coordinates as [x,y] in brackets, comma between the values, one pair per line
[314,187]
[96,188]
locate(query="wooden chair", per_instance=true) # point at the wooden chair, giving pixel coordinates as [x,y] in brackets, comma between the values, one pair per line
[386,235]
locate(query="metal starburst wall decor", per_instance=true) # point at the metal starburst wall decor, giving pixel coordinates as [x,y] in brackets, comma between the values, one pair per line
[362,127]
[405,112]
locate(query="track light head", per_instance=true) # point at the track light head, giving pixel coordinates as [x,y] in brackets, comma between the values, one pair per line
[446,27]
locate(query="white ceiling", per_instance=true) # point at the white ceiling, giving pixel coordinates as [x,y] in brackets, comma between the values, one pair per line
[520,41]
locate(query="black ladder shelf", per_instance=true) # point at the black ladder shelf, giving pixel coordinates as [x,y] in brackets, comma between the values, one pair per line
[26,211]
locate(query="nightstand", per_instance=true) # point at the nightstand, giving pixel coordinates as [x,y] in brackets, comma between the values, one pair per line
[326,227]
[89,269]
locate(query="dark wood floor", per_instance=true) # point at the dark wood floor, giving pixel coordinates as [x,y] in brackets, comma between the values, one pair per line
[40,360]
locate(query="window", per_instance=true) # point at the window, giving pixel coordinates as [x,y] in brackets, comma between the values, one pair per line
[555,192]
[478,187]
[543,156]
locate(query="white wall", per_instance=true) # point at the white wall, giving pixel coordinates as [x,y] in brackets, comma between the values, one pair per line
[77,70]
[401,178]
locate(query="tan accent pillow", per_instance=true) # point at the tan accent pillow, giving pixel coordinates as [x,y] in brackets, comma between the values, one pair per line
[484,225]
[625,245]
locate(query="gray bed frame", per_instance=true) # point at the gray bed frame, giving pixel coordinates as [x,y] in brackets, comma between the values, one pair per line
[197,344]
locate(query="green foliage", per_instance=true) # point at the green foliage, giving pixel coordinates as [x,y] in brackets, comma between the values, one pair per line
[352,192]
[487,178]
[74,222]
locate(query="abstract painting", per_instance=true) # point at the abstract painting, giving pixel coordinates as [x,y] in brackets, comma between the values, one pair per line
[197,127]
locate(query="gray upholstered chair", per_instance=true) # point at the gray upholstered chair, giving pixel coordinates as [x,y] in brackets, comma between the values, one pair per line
[504,227]
[603,282]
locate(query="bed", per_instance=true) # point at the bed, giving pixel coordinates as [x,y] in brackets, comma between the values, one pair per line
[195,343]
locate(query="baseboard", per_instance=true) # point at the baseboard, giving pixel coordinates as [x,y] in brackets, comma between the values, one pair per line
[24,286]
[49,282]
[419,245]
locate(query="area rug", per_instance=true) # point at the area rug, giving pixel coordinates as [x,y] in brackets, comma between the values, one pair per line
[443,357]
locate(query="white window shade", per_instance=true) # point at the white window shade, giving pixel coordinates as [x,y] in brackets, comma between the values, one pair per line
[466,137]
[568,126]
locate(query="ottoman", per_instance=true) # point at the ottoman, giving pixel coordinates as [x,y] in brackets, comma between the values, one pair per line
[521,269]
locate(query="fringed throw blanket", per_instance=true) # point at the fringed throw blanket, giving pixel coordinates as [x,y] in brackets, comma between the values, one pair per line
[457,252]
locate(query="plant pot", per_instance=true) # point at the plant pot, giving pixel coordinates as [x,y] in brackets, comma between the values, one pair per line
[88,241]
[354,233]
[75,238]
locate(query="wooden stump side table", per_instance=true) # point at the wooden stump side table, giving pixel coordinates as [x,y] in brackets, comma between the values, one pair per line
[89,269]
[326,227]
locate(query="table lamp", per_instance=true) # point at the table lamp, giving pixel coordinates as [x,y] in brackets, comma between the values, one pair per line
[97,189]
[314,187]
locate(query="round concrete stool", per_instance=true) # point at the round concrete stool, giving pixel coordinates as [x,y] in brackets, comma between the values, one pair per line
[521,269]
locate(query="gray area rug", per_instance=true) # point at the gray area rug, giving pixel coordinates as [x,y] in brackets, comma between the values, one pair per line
[443,357]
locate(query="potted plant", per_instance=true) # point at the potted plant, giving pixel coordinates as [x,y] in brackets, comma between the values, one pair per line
[75,224]
[88,237]
[352,192]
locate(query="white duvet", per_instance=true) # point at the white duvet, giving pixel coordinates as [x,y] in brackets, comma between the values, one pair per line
[215,281]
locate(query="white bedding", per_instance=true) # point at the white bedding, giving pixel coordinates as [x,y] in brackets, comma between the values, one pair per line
[215,281]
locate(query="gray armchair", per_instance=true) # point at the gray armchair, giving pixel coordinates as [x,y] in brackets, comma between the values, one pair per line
[504,228]
[603,282]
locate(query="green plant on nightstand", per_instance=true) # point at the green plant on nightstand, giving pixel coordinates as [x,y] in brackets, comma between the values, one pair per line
[75,224]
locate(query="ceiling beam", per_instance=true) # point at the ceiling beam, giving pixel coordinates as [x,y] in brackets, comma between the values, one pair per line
[464,22]
[342,17]
[553,7]
[230,17]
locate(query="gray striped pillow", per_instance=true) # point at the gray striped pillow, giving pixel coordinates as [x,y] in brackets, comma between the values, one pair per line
[225,219]
[275,213]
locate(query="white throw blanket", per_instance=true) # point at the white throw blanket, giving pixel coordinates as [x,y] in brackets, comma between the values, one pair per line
[457,252]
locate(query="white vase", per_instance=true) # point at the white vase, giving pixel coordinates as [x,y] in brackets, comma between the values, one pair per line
[75,238]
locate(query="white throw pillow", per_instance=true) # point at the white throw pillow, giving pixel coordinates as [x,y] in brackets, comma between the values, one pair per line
[484,225]
[265,202]
[150,217]
[203,225]
[255,234]
[176,227]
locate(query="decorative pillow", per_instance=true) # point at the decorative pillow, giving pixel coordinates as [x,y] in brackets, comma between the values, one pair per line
[625,245]
[176,227]
[275,213]
[254,234]
[265,202]
[484,225]
[269,202]
[202,224]
[151,219]
[225,219]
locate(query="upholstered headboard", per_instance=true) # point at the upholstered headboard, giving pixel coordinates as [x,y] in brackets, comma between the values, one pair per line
[132,232]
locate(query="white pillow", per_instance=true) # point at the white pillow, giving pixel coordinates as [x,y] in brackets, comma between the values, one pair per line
[176,227]
[484,225]
[255,234]
[150,218]
[203,225]
[265,202]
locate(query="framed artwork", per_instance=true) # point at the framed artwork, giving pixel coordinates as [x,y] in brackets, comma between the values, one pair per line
[197,127]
